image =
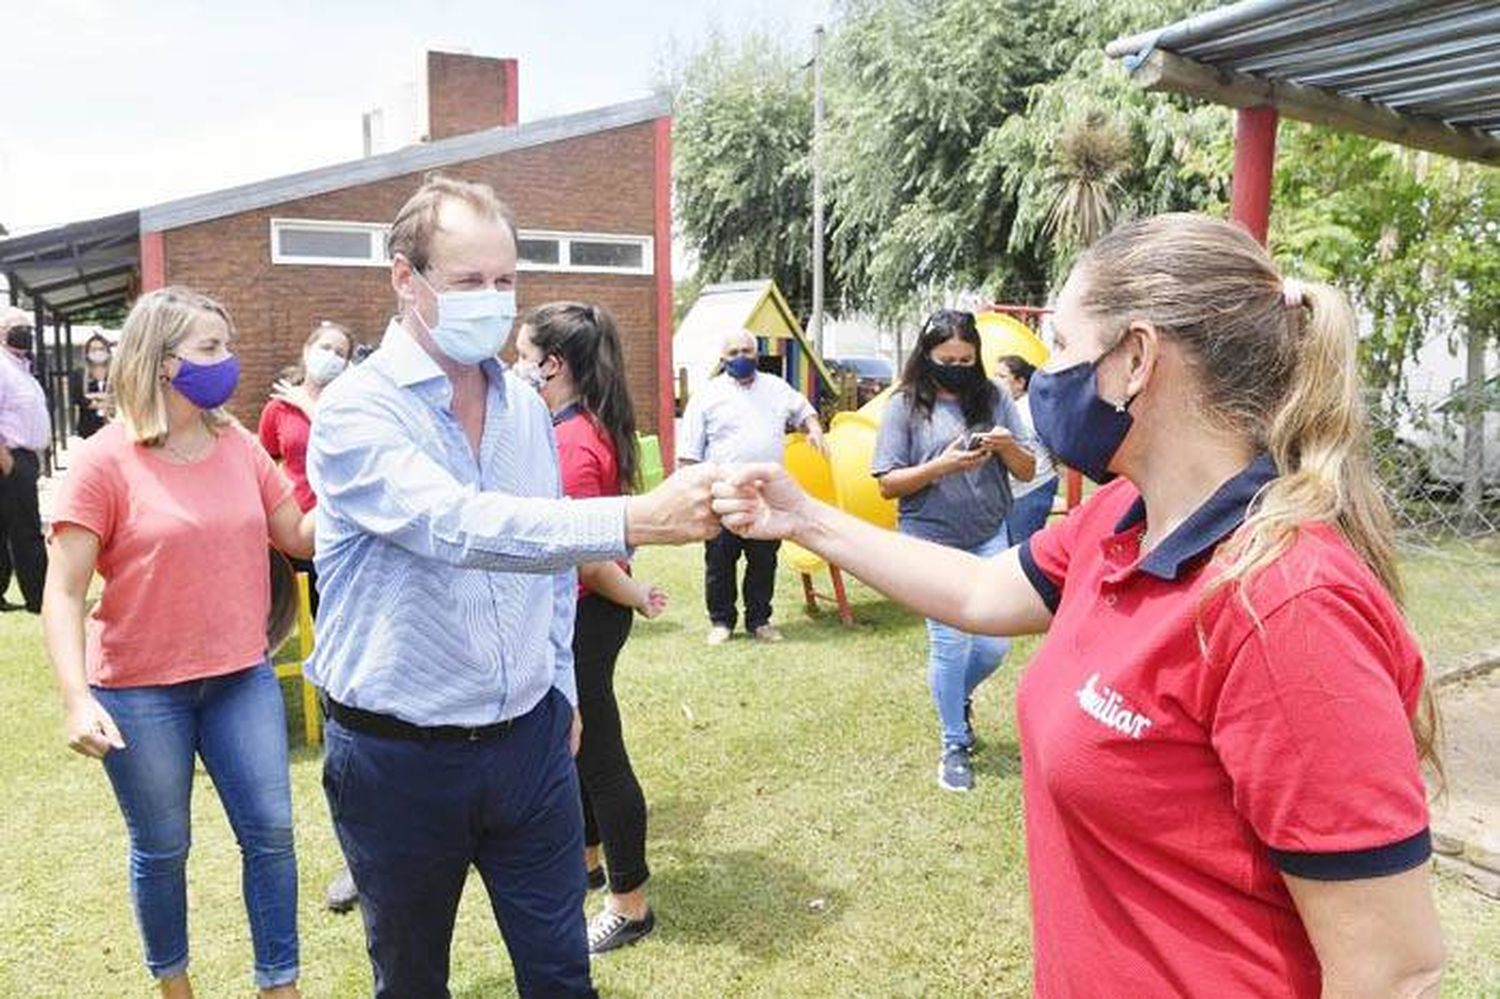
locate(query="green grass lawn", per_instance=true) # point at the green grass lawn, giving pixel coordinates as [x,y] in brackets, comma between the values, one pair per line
[799,844]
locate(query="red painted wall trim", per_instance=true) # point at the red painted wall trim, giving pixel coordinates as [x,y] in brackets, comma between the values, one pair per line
[666,382]
[1254,165]
[153,261]
[512,112]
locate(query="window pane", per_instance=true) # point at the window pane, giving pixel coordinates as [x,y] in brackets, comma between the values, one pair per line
[627,256]
[342,244]
[538,251]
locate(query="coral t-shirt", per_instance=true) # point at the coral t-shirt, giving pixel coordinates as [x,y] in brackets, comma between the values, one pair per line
[183,554]
[284,430]
[586,459]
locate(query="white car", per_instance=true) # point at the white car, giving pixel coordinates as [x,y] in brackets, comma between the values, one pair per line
[1434,441]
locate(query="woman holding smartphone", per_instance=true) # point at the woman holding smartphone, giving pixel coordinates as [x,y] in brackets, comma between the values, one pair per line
[949,439]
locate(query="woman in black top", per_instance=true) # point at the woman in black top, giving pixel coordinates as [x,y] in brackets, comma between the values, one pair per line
[89,387]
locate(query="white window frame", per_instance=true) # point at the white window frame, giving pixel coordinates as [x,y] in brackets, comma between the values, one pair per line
[376,233]
[565,241]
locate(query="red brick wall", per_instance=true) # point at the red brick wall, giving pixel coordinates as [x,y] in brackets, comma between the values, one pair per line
[467,93]
[599,183]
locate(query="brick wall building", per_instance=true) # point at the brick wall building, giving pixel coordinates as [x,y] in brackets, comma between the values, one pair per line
[591,194]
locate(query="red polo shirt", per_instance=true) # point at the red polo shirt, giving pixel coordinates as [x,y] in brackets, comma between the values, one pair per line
[283,433]
[1179,756]
[586,458]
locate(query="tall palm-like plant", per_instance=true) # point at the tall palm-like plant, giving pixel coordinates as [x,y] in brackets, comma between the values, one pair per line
[1092,155]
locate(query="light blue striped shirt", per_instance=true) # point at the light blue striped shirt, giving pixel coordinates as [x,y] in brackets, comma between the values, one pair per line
[446,584]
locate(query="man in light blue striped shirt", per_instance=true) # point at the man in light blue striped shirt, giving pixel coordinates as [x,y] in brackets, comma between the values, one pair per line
[444,635]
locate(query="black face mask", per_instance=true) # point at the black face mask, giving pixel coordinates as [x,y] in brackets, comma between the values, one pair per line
[953,377]
[19,338]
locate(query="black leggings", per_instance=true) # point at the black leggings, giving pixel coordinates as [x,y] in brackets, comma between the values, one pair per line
[614,809]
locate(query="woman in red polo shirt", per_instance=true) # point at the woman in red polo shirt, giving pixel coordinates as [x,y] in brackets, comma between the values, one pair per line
[570,353]
[287,419]
[1224,731]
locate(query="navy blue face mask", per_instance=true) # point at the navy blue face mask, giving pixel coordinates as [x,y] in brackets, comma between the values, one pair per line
[1075,424]
[740,367]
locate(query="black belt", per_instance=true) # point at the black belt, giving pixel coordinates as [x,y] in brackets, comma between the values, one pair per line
[386,726]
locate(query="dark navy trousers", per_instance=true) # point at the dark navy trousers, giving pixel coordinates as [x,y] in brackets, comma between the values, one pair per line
[413,816]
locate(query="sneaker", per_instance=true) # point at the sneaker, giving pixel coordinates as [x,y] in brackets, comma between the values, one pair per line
[597,879]
[767,633]
[610,930]
[342,895]
[718,635]
[955,769]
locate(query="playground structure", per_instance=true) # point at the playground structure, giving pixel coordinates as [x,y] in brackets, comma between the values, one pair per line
[843,478]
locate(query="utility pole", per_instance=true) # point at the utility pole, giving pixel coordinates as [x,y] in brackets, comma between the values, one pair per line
[817,193]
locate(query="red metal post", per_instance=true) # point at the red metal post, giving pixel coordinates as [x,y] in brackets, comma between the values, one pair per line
[511,72]
[153,261]
[1254,164]
[666,395]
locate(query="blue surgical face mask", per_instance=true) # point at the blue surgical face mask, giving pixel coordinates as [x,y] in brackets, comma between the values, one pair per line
[471,325]
[1075,424]
[322,366]
[740,367]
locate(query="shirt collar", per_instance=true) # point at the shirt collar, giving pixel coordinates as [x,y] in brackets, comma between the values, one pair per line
[20,363]
[1211,523]
[565,414]
[405,362]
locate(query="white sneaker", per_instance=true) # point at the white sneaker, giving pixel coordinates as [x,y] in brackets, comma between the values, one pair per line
[718,635]
[767,633]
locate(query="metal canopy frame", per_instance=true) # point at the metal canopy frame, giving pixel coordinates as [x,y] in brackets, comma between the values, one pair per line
[1421,73]
[75,267]
[64,273]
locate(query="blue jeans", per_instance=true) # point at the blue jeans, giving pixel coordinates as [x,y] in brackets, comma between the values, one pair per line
[1028,514]
[237,724]
[958,662]
[413,816]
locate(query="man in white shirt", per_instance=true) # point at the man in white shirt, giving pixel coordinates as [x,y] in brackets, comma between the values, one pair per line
[25,432]
[741,415]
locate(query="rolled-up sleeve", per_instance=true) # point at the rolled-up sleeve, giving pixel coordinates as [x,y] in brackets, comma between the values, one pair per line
[367,468]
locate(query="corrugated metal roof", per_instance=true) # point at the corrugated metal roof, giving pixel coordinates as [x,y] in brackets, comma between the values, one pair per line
[1433,61]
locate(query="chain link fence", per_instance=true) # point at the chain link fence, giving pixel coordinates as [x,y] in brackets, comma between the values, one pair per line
[1419,456]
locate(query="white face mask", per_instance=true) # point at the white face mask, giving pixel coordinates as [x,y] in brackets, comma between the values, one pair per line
[322,366]
[97,357]
[471,325]
[530,372]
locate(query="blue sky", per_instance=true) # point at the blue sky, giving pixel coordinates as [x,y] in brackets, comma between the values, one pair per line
[108,105]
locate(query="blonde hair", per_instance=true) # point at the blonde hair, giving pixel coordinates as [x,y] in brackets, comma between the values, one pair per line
[417,221]
[297,373]
[1276,362]
[157,325]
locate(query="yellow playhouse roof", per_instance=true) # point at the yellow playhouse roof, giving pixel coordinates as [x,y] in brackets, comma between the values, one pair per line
[757,306]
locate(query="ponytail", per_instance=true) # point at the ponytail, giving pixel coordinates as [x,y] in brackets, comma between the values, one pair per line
[1320,442]
[586,337]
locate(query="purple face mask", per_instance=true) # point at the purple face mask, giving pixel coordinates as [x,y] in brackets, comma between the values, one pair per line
[207,386]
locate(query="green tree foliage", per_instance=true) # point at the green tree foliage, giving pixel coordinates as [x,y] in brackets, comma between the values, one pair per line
[1092,148]
[970,145]
[743,129]
[916,88]
[1414,238]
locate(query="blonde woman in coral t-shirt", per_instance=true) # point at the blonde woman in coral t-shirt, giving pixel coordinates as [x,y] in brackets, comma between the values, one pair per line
[172,504]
